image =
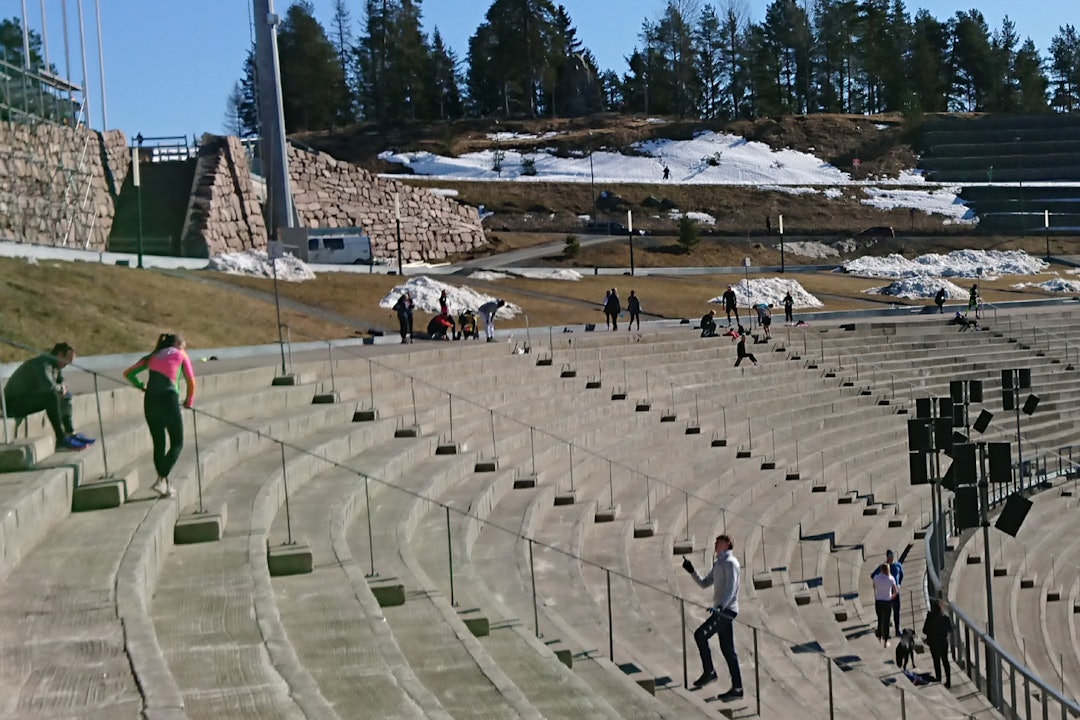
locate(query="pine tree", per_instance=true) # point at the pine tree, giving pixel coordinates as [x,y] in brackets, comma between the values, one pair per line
[314,93]
[733,58]
[930,78]
[445,79]
[234,119]
[1064,69]
[972,63]
[1031,82]
[248,108]
[708,51]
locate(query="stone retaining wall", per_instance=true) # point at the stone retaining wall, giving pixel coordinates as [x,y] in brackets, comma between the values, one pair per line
[54,189]
[223,215]
[329,193]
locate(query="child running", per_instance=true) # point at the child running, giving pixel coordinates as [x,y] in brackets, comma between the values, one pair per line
[161,403]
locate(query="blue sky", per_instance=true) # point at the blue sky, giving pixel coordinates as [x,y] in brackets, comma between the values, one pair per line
[170,65]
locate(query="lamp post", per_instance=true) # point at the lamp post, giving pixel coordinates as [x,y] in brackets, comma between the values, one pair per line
[136,161]
[1012,382]
[1046,228]
[781,243]
[630,237]
[397,222]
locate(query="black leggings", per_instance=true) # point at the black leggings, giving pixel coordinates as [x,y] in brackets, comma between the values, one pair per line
[162,411]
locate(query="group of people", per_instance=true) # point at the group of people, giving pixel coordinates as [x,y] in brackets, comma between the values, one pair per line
[443,325]
[38,385]
[730,301]
[724,579]
[612,308]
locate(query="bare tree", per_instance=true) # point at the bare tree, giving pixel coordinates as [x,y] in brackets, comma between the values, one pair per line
[234,116]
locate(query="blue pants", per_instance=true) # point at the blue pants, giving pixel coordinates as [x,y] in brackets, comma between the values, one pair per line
[719,623]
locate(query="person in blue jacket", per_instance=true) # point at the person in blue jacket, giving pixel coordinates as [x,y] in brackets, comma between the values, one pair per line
[896,569]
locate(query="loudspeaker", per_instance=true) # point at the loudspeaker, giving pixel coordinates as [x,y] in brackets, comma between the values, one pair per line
[1006,380]
[917,468]
[1008,400]
[983,421]
[959,438]
[943,433]
[1000,462]
[966,505]
[948,480]
[956,391]
[918,436]
[944,407]
[975,388]
[964,467]
[923,408]
[1030,404]
[958,416]
[1013,514]
[1025,378]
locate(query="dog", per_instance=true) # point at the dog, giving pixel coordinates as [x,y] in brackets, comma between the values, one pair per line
[905,649]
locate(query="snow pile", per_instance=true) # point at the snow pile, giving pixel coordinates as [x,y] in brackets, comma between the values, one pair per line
[443,192]
[1058,285]
[943,201]
[698,217]
[255,263]
[771,291]
[815,250]
[528,273]
[426,292]
[958,263]
[510,136]
[919,287]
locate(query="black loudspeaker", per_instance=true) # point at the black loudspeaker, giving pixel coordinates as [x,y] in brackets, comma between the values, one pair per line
[964,467]
[923,408]
[966,506]
[1008,400]
[944,407]
[983,421]
[956,391]
[948,480]
[943,433]
[1000,462]
[959,438]
[918,436]
[1024,377]
[1013,514]
[975,389]
[1006,379]
[958,416]
[1030,404]
[917,468]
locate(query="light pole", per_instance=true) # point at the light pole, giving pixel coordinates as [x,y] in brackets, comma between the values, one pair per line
[136,161]
[1046,228]
[1012,382]
[630,237]
[397,222]
[781,243]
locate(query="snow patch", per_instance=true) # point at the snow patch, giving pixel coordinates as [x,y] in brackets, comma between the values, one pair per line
[958,263]
[771,291]
[698,217]
[528,273]
[255,263]
[815,250]
[443,192]
[1058,285]
[919,287]
[426,292]
[942,201]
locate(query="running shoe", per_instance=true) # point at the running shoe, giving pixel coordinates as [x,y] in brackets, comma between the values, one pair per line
[84,439]
[70,443]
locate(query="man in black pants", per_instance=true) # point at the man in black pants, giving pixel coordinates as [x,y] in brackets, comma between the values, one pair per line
[741,350]
[724,579]
[38,385]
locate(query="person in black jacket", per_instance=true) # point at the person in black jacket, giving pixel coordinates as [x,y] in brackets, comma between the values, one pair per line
[938,629]
[404,309]
[633,306]
[741,350]
[731,304]
[37,385]
[612,308]
[708,324]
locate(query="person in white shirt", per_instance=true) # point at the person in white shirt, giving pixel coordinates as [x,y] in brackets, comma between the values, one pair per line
[885,591]
[487,312]
[724,579]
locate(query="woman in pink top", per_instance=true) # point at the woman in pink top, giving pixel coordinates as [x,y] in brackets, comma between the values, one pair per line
[161,403]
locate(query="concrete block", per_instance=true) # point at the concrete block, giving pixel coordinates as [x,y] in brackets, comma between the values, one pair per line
[802,597]
[974,559]
[592,385]
[643,406]
[685,546]
[566,498]
[563,654]
[793,476]
[200,527]
[605,515]
[16,457]
[326,398]
[896,521]
[388,592]
[524,482]
[294,559]
[447,449]
[568,372]
[763,580]
[742,454]
[100,494]
[645,529]
[1001,571]
[618,395]
[818,488]
[543,361]
[1027,582]
[1053,595]
[668,416]
[919,534]
[369,415]
[476,622]
[845,499]
[719,442]
[768,465]
[410,431]
[285,380]
[486,466]
[840,614]
[870,510]
[693,429]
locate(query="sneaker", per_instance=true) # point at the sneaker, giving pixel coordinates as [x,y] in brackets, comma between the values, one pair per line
[84,439]
[732,694]
[705,679]
[70,442]
[887,642]
[162,488]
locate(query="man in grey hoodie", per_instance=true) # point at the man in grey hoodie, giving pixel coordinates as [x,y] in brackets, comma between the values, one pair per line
[724,579]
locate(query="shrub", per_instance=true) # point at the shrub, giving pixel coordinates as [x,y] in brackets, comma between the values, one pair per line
[528,166]
[572,246]
[688,234]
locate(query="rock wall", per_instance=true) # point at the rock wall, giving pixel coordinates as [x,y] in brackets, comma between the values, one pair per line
[54,188]
[223,214]
[116,154]
[329,193]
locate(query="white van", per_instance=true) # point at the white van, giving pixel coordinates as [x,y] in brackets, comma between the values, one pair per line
[339,248]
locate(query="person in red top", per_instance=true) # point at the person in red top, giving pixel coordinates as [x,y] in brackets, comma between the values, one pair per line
[161,402]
